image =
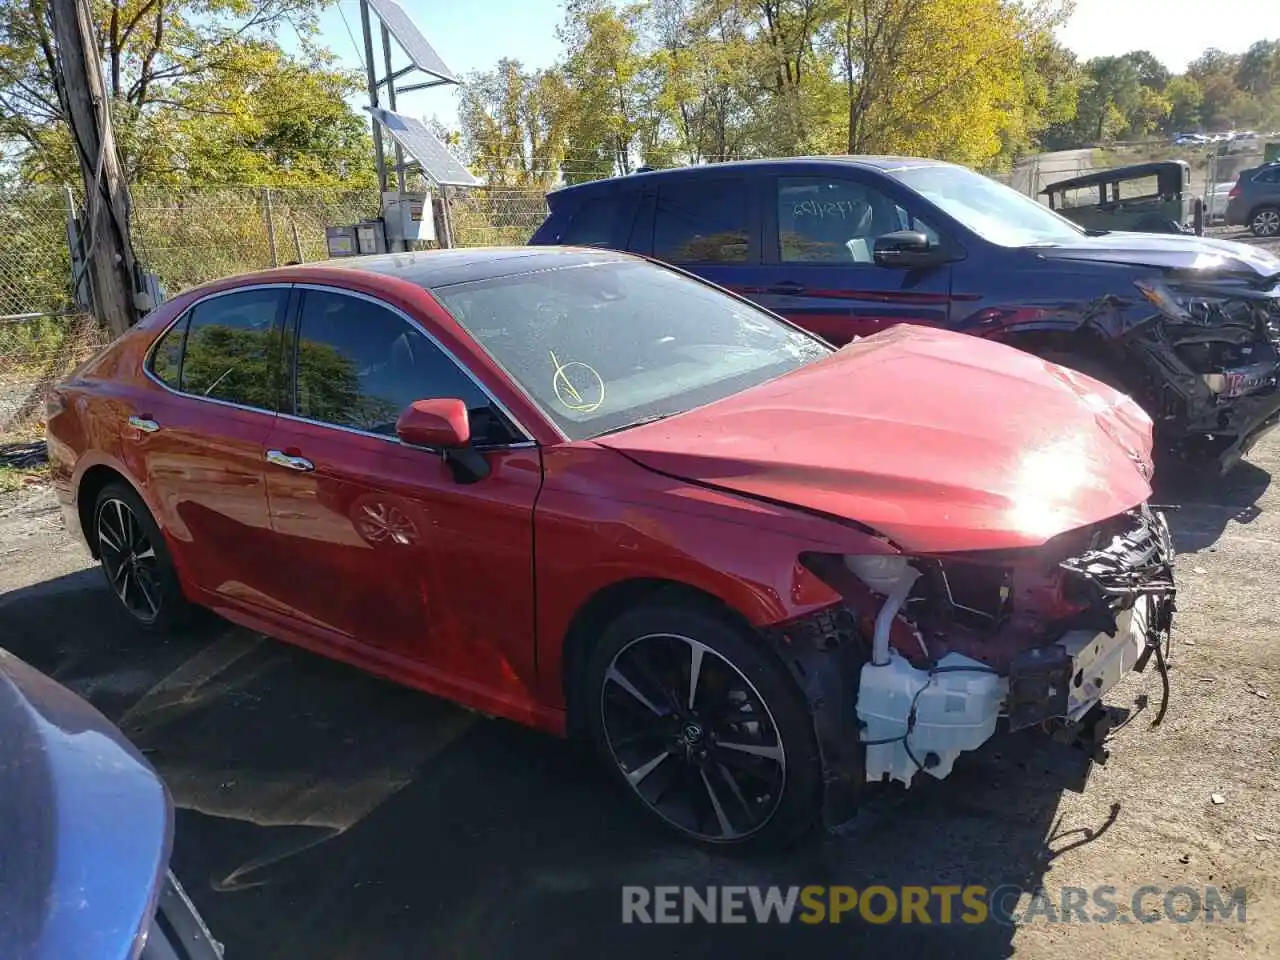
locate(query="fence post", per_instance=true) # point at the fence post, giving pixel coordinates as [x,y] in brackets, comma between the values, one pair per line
[297,241]
[271,227]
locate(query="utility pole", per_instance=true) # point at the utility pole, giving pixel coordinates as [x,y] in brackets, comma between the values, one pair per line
[108,249]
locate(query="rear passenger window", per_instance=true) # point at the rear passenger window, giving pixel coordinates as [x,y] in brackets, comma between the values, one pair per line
[166,358]
[708,221]
[233,348]
[593,223]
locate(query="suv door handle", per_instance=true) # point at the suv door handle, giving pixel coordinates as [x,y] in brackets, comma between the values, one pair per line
[145,424]
[787,288]
[282,459]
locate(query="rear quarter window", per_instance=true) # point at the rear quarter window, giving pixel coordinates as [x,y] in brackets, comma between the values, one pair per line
[595,223]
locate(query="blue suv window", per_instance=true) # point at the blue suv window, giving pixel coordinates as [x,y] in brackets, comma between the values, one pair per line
[823,220]
[593,222]
[703,221]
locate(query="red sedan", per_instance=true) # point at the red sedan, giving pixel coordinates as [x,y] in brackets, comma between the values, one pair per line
[593,494]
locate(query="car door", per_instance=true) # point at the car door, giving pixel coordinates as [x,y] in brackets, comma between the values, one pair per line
[818,252]
[198,438]
[708,226]
[388,550]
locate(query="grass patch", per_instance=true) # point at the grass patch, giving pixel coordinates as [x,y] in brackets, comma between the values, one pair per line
[13,479]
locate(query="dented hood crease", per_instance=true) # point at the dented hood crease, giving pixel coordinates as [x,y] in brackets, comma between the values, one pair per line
[940,441]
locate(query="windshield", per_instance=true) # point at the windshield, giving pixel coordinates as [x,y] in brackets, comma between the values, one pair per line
[602,346]
[990,209]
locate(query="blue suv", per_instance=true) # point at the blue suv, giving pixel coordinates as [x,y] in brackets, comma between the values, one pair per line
[848,246]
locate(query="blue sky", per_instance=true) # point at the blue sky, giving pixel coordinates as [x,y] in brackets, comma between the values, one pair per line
[473,36]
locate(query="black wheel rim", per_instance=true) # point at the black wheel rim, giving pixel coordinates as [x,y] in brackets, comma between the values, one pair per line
[693,737]
[129,559]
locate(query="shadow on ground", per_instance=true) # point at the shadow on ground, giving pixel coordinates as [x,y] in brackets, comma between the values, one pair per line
[325,814]
[1203,507]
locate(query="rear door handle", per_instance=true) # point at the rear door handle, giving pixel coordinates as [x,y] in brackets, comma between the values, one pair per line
[282,459]
[145,424]
[787,288]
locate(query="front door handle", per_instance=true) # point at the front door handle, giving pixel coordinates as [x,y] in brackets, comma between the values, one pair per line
[787,288]
[282,459]
[145,424]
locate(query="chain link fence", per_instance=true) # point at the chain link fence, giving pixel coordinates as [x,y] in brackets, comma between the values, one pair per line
[185,237]
[36,353]
[495,216]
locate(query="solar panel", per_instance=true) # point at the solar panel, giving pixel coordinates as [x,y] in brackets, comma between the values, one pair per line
[439,165]
[420,53]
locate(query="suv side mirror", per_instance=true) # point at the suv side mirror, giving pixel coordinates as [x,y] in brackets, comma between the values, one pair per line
[444,425]
[907,249]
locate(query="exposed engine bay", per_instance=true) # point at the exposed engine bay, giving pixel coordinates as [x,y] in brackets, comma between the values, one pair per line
[945,648]
[1211,365]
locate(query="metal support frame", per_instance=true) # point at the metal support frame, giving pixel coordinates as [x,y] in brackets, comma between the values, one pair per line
[379,159]
[423,86]
[391,90]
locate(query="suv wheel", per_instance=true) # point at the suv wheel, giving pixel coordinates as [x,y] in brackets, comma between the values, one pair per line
[1265,222]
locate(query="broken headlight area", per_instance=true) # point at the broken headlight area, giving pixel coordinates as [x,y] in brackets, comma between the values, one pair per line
[1216,340]
[947,647]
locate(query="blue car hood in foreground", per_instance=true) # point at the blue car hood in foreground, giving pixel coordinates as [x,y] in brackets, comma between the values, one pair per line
[85,826]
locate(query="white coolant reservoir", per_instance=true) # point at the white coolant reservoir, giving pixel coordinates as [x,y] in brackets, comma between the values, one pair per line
[956,710]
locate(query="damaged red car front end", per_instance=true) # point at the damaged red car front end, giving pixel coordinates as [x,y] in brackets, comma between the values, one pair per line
[1024,574]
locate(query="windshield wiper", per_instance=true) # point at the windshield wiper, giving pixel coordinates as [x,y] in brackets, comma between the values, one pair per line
[652,418]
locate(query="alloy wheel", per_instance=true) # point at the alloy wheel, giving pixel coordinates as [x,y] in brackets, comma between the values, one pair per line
[693,737]
[1266,223]
[129,559]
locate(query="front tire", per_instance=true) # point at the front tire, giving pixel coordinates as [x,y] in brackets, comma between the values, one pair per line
[136,562]
[1265,222]
[703,726]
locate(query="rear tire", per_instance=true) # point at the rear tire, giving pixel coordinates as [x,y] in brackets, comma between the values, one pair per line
[1265,222]
[703,726]
[136,562]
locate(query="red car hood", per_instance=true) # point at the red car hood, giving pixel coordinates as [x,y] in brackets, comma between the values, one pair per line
[938,440]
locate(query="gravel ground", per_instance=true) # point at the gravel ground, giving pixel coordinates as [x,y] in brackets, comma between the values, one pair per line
[324,814]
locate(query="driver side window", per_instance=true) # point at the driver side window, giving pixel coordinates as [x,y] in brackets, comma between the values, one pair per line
[359,365]
[824,220]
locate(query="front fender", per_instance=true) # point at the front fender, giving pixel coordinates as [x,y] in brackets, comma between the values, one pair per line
[602,520]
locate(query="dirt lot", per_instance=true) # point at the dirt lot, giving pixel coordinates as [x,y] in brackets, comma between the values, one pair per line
[324,814]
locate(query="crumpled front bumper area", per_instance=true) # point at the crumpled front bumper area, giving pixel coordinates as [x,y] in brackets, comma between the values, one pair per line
[1071,619]
[1216,383]
[1129,588]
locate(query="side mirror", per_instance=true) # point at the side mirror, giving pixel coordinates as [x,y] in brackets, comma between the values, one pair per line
[444,425]
[435,423]
[907,249]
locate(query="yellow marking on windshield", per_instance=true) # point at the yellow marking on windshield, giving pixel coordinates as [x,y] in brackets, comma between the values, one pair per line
[586,400]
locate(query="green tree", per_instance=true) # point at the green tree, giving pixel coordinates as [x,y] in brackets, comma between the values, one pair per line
[199,89]
[1185,100]
[514,124]
[1111,96]
[1258,72]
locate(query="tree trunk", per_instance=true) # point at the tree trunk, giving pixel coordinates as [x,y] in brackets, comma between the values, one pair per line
[85,104]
